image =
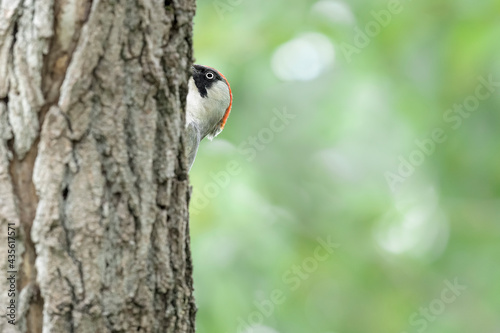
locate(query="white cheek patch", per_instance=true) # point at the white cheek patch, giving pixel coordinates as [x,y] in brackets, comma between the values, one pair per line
[218,98]
[218,91]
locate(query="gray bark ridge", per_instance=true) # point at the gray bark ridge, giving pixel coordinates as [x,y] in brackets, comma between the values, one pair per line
[92,166]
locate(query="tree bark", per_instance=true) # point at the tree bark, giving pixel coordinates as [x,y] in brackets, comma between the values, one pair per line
[93,177]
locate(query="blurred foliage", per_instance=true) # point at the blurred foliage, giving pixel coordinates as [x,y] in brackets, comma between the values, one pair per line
[264,190]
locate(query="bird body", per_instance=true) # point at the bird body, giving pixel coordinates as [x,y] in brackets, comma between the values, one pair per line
[208,105]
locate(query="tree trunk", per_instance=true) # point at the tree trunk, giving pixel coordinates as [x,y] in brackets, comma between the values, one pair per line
[93,179]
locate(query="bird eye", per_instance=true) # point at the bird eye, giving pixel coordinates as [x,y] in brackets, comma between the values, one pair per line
[210,75]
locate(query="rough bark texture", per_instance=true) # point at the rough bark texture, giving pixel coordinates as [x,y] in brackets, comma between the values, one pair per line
[92,169]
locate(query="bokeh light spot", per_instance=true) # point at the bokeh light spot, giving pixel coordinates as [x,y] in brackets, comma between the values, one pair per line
[334,11]
[303,58]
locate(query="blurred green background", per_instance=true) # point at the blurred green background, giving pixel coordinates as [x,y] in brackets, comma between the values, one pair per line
[356,186]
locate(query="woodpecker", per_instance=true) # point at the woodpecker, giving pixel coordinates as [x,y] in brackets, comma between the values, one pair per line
[208,105]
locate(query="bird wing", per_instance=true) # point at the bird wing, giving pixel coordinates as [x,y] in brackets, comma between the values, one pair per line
[192,141]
